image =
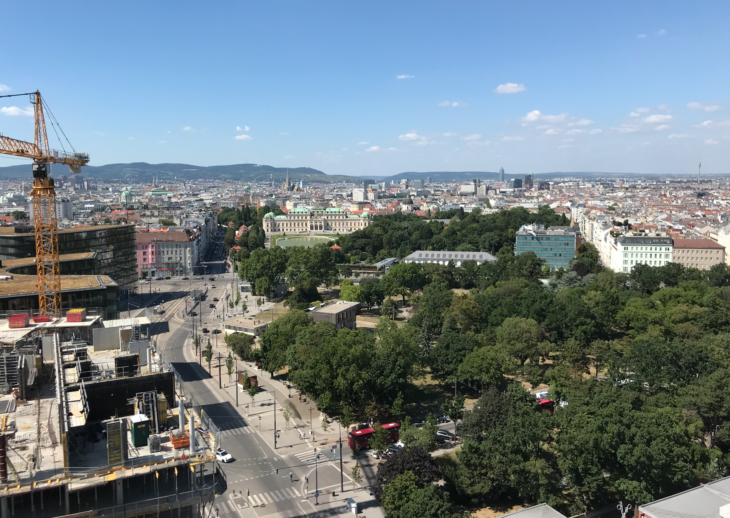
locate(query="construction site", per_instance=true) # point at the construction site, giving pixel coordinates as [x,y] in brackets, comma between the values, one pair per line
[97,428]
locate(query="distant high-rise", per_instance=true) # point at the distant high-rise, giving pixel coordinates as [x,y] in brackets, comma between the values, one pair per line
[515,183]
[428,180]
[528,181]
[501,174]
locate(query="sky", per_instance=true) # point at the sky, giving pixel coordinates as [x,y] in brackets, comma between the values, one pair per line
[378,88]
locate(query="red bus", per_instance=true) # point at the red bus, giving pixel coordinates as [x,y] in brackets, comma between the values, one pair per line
[361,438]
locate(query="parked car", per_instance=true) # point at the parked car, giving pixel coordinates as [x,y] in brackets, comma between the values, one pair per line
[211,305]
[199,278]
[205,330]
[222,455]
[444,435]
[186,278]
[215,299]
[144,282]
[193,314]
[159,279]
[212,286]
[216,331]
[211,278]
[442,419]
[167,278]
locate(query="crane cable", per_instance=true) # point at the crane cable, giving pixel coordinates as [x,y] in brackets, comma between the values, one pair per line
[53,118]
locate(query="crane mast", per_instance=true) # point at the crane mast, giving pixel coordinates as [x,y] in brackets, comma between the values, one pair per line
[43,194]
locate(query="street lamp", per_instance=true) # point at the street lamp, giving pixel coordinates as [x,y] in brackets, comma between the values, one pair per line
[316,477]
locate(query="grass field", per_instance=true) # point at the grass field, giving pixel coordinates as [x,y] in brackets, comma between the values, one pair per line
[275,237]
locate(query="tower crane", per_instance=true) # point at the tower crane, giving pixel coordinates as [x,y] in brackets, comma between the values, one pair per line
[43,194]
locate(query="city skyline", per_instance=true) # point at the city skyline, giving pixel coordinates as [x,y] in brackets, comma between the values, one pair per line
[349,91]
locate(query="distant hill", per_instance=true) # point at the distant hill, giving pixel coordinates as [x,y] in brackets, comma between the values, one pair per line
[142,172]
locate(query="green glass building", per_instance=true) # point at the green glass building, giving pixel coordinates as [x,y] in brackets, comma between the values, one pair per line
[556,245]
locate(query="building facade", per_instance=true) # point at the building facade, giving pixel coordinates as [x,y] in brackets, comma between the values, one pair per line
[702,254]
[302,220]
[167,253]
[444,257]
[341,314]
[556,245]
[628,251]
[114,246]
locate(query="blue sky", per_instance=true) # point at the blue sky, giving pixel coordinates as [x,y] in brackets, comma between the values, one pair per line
[377,88]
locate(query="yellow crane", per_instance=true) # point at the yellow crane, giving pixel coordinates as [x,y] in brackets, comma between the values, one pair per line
[43,194]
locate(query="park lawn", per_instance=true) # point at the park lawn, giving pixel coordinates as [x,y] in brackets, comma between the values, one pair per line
[275,237]
[272,314]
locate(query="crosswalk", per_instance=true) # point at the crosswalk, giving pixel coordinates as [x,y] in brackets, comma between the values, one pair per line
[273,496]
[225,507]
[308,457]
[237,431]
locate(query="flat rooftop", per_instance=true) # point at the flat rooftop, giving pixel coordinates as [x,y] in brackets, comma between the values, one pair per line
[11,230]
[335,308]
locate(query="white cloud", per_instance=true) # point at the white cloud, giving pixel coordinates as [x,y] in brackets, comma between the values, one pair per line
[679,135]
[535,116]
[553,131]
[450,134]
[363,143]
[638,111]
[453,104]
[510,88]
[626,128]
[4,88]
[581,122]
[373,148]
[641,36]
[576,132]
[703,106]
[410,136]
[245,128]
[472,137]
[392,149]
[662,127]
[595,131]
[661,32]
[243,137]
[405,76]
[711,142]
[712,124]
[513,138]
[14,111]
[187,128]
[657,119]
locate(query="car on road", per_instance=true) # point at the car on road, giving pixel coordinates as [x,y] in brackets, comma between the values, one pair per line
[444,435]
[223,456]
[167,278]
[186,278]
[193,314]
[199,278]
[205,330]
[211,306]
[216,331]
[211,278]
[212,286]
[215,299]
[159,279]
[144,282]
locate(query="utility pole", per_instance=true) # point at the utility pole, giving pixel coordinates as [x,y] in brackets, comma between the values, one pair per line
[342,471]
[316,477]
[220,385]
[275,433]
[236,385]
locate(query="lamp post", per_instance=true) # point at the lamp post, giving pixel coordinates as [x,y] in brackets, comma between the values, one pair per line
[316,477]
[342,476]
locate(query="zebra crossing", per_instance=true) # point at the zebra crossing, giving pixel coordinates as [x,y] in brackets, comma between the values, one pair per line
[308,457]
[237,431]
[273,496]
[225,507]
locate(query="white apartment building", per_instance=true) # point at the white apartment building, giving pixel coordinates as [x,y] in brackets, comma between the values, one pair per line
[64,208]
[628,251]
[359,195]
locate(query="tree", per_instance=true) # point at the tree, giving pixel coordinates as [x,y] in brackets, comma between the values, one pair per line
[410,459]
[389,309]
[454,407]
[424,437]
[371,292]
[350,292]
[208,353]
[308,268]
[286,414]
[486,365]
[356,475]
[19,215]
[325,425]
[264,269]
[449,353]
[252,391]
[166,222]
[405,497]
[245,380]
[280,334]
[379,439]
[521,339]
[229,365]
[403,279]
[398,406]
[241,344]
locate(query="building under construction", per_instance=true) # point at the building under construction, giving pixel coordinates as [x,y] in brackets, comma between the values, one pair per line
[93,424]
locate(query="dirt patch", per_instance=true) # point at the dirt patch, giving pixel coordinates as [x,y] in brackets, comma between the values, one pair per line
[489,512]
